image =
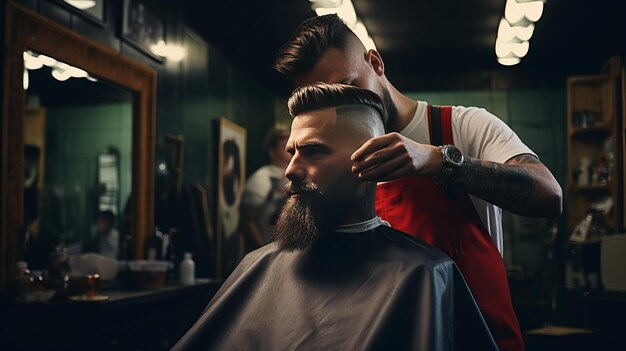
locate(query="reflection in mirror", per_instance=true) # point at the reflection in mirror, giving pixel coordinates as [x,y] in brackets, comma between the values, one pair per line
[77,149]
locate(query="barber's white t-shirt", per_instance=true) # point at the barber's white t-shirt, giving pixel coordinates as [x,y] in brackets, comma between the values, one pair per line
[265,190]
[478,134]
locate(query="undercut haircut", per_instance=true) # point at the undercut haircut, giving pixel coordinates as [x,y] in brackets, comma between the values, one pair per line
[309,42]
[319,96]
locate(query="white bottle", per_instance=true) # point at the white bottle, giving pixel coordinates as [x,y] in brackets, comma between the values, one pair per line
[187,270]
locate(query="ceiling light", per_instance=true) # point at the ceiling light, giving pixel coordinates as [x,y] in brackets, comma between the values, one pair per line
[325,3]
[533,10]
[31,61]
[509,61]
[76,72]
[515,11]
[172,53]
[507,33]
[345,11]
[517,49]
[369,44]
[516,29]
[81,4]
[47,60]
[361,33]
[60,74]
[25,80]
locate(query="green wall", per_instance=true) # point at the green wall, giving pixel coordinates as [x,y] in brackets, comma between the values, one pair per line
[75,136]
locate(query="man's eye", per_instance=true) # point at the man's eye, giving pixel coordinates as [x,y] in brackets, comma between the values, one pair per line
[309,152]
[312,152]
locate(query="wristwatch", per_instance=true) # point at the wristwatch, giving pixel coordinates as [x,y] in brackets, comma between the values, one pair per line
[452,160]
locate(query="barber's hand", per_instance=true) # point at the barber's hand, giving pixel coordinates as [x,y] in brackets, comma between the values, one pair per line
[392,156]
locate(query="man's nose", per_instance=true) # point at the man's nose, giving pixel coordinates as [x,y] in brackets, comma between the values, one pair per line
[295,170]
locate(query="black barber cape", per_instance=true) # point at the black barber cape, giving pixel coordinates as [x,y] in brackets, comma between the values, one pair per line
[376,290]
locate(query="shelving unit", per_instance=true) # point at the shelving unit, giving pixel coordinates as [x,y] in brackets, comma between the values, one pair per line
[595,144]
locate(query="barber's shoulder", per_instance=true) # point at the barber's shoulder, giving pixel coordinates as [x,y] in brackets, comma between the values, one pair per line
[471,113]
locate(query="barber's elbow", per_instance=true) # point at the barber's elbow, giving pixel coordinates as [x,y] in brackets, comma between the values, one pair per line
[554,202]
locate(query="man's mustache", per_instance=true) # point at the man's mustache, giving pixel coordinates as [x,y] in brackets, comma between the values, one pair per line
[294,189]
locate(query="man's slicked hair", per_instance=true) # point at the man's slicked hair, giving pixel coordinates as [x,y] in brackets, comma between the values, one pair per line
[309,42]
[319,96]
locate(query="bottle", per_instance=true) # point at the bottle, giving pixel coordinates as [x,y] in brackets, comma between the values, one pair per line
[598,227]
[170,255]
[187,270]
[60,272]
[154,246]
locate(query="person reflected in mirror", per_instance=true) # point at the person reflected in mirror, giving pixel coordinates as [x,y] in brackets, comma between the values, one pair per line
[336,276]
[104,238]
[264,193]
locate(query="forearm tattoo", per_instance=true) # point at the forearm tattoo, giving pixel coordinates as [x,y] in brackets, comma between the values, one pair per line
[497,182]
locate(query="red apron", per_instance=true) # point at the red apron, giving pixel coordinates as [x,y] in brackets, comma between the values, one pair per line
[417,207]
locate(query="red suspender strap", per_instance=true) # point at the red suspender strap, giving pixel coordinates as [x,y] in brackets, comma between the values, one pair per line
[440,125]
[429,110]
[446,125]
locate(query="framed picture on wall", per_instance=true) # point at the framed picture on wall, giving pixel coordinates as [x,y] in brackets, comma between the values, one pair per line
[92,10]
[231,174]
[142,28]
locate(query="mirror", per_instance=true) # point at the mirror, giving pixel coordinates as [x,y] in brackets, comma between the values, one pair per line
[114,175]
[77,158]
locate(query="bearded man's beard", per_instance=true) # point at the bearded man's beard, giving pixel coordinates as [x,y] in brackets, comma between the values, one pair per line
[303,219]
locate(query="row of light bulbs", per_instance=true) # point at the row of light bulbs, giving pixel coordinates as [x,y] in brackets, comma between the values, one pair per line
[61,71]
[515,30]
[345,10]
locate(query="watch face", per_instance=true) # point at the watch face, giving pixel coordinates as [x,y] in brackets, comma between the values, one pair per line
[454,155]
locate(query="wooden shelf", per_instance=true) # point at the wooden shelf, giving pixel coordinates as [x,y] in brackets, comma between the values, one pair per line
[593,130]
[595,95]
[592,188]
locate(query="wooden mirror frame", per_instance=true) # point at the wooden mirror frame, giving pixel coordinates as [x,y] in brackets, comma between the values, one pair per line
[28,30]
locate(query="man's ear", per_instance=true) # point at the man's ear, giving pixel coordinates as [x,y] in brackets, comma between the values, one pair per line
[376,61]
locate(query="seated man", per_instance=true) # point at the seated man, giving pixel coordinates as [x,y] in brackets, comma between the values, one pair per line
[336,277]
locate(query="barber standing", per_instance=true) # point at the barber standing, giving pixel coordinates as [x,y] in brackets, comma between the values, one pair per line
[447,171]
[264,194]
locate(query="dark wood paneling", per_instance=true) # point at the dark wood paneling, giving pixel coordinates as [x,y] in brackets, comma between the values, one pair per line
[103,34]
[55,13]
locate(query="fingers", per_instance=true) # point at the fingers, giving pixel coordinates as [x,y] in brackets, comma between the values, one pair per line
[390,170]
[373,145]
[378,157]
